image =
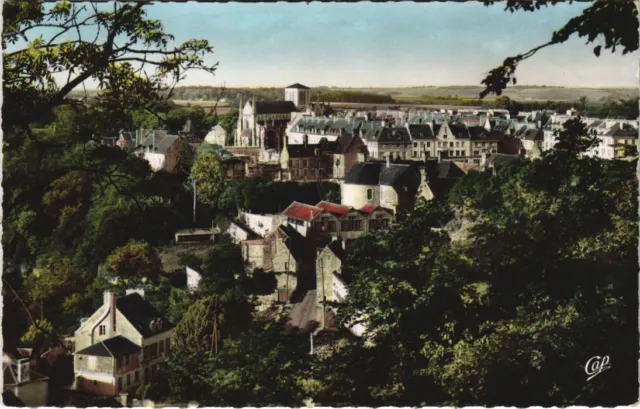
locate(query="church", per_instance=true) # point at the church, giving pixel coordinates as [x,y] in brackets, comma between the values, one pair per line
[262,124]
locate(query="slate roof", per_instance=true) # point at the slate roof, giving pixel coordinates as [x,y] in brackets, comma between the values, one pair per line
[274,107]
[533,134]
[336,248]
[116,346]
[459,130]
[501,159]
[295,243]
[393,135]
[336,209]
[302,211]
[373,174]
[297,86]
[448,170]
[305,151]
[163,143]
[139,312]
[480,133]
[421,131]
[625,133]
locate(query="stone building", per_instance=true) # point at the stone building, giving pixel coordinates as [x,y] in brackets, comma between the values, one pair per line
[262,124]
[299,94]
[161,150]
[217,136]
[329,279]
[119,347]
[306,161]
[392,186]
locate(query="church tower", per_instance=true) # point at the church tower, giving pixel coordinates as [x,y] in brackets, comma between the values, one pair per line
[237,139]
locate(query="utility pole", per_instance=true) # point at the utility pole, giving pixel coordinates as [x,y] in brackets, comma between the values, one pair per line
[193,182]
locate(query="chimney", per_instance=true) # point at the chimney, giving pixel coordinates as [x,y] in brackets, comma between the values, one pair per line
[23,370]
[140,290]
[110,303]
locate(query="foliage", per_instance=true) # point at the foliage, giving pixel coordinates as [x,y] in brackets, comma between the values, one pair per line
[136,261]
[209,174]
[511,316]
[352,96]
[614,21]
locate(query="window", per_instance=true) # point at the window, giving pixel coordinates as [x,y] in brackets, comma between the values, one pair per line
[428,144]
[128,379]
[369,194]
[476,152]
[286,266]
[451,144]
[119,384]
[146,374]
[126,359]
[305,172]
[137,376]
[415,144]
[305,163]
[103,329]
[332,226]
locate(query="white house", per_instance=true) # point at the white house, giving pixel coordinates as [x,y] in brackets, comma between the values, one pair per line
[217,136]
[193,279]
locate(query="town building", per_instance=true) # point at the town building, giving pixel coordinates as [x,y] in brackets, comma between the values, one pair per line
[392,186]
[299,94]
[262,124]
[22,381]
[161,150]
[217,136]
[119,347]
[306,161]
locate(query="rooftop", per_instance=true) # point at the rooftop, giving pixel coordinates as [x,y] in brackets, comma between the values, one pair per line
[140,313]
[301,211]
[115,347]
[336,209]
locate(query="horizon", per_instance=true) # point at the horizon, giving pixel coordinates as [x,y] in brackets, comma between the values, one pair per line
[386,45]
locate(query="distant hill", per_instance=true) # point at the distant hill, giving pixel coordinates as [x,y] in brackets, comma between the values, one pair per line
[231,96]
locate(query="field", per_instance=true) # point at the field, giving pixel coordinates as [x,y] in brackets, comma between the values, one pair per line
[518,93]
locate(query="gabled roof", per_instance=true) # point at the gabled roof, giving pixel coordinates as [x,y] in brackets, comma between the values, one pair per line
[368,209]
[393,135]
[302,211]
[373,174]
[297,86]
[274,107]
[294,241]
[421,131]
[115,347]
[501,159]
[308,150]
[533,134]
[163,142]
[336,248]
[333,208]
[460,131]
[140,313]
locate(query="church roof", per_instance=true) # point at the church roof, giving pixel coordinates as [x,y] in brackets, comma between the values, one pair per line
[297,86]
[274,107]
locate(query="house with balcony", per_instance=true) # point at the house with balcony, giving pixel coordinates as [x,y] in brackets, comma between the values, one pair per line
[120,346]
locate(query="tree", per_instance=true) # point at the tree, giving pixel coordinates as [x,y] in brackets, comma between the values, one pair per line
[209,174]
[511,315]
[136,261]
[615,20]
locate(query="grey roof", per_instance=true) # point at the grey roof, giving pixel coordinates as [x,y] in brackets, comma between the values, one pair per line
[449,170]
[393,135]
[481,133]
[163,143]
[297,86]
[372,174]
[336,248]
[421,131]
[139,312]
[116,346]
[533,134]
[274,107]
[625,133]
[501,159]
[459,130]
[308,150]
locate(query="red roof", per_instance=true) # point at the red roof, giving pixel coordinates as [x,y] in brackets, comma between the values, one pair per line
[368,208]
[334,208]
[301,211]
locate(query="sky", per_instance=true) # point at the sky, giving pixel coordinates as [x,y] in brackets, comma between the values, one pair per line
[386,44]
